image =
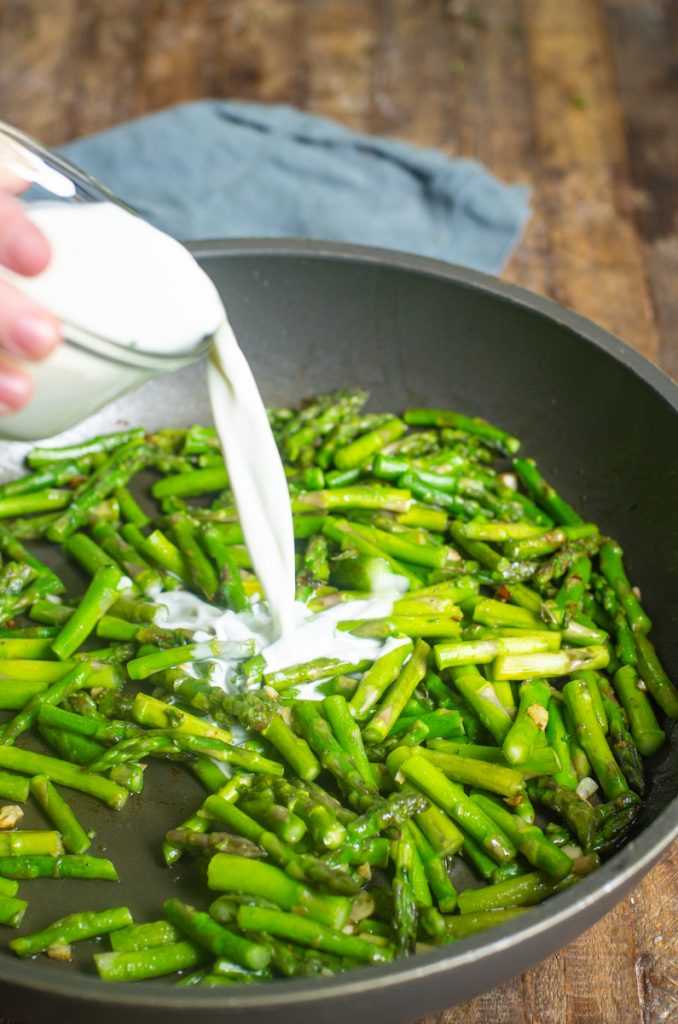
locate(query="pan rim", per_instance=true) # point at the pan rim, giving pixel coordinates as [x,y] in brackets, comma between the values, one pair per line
[514,294]
[619,872]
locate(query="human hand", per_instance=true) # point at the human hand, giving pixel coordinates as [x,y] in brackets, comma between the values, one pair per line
[26,330]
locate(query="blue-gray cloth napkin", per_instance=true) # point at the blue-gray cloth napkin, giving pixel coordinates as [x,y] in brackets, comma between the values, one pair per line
[228,169]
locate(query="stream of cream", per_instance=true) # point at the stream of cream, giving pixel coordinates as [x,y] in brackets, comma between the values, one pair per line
[116,276]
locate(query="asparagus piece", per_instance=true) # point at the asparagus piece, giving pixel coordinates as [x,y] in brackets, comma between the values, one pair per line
[387,499]
[397,546]
[130,509]
[228,873]
[8,887]
[55,475]
[95,726]
[655,678]
[606,597]
[202,572]
[14,550]
[124,463]
[71,747]
[343,814]
[76,679]
[524,891]
[26,647]
[204,844]
[231,586]
[144,936]
[622,743]
[139,611]
[549,664]
[530,722]
[455,504]
[580,762]
[394,811]
[481,697]
[490,435]
[612,568]
[28,842]
[451,798]
[436,872]
[11,605]
[310,932]
[645,729]
[545,495]
[378,678]
[124,554]
[347,734]
[157,962]
[532,546]
[577,813]
[342,531]
[397,697]
[200,928]
[543,761]
[570,598]
[29,763]
[192,483]
[473,772]
[366,445]
[156,714]
[51,499]
[12,911]
[198,823]
[158,661]
[324,828]
[41,456]
[160,551]
[68,865]
[485,650]
[73,928]
[301,866]
[558,739]
[14,787]
[74,837]
[528,839]
[499,532]
[370,852]
[262,716]
[440,724]
[404,921]
[590,735]
[275,817]
[618,817]
[441,832]
[99,596]
[311,671]
[463,925]
[307,719]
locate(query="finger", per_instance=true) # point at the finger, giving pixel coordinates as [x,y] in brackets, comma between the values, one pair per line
[26,330]
[16,387]
[11,182]
[23,247]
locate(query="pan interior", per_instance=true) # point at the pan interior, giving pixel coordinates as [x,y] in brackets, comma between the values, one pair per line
[603,434]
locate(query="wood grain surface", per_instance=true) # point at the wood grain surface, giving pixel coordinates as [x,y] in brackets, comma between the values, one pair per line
[578,98]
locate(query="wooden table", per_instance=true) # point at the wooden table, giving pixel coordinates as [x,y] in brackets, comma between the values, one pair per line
[575,97]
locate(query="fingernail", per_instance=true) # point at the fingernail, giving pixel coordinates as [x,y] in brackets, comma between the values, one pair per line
[16,387]
[26,250]
[33,336]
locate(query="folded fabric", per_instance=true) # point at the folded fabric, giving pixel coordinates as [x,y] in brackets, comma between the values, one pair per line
[227,169]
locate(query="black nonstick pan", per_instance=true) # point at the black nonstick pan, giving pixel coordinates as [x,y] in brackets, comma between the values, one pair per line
[603,424]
